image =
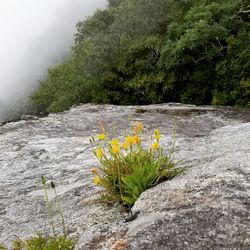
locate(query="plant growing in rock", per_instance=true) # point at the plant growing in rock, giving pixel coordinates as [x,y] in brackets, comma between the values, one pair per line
[2,247]
[41,241]
[127,168]
[53,186]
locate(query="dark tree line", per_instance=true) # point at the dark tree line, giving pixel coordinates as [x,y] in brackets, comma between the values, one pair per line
[154,51]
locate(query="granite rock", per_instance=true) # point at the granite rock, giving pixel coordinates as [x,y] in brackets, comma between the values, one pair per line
[206,207]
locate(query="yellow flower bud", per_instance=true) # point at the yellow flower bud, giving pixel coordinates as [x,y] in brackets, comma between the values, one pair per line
[135,129]
[101,125]
[99,153]
[115,142]
[139,126]
[155,146]
[157,135]
[125,145]
[97,180]
[102,137]
[116,150]
[130,140]
[94,171]
[137,139]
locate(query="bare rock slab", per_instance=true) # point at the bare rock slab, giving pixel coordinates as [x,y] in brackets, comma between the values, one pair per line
[206,207]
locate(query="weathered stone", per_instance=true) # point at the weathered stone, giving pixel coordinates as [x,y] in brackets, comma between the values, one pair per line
[207,207]
[102,237]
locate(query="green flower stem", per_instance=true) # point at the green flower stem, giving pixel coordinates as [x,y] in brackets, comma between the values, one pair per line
[48,204]
[59,209]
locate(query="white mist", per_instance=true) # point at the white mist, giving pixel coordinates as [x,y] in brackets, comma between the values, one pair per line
[35,35]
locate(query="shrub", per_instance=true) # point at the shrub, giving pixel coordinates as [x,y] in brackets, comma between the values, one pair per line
[127,169]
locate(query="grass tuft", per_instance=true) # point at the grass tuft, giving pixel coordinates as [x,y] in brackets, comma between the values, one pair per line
[41,242]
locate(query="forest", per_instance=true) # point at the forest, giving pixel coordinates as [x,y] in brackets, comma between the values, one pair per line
[137,52]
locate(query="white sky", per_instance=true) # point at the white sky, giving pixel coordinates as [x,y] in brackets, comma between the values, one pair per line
[35,34]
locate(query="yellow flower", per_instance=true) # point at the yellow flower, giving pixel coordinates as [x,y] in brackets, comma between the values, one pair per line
[94,171]
[130,140]
[157,135]
[97,180]
[135,129]
[115,142]
[125,145]
[155,145]
[102,137]
[137,139]
[139,126]
[116,150]
[99,153]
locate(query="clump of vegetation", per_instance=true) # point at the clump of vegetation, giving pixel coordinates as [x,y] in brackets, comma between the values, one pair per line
[127,168]
[156,51]
[41,241]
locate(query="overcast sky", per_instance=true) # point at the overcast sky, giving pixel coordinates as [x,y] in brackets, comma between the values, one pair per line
[35,34]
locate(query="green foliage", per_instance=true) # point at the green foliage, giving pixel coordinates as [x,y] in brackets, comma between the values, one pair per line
[2,247]
[154,51]
[208,52]
[135,78]
[147,170]
[41,242]
[127,169]
[63,88]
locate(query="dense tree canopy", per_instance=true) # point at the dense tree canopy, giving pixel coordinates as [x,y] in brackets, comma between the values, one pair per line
[154,51]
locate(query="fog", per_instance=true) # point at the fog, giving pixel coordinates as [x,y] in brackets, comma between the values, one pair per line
[35,35]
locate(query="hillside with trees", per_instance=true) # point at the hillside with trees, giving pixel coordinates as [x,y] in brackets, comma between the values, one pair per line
[156,51]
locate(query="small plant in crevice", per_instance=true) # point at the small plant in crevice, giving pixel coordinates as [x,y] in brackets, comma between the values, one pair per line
[41,241]
[58,205]
[2,247]
[43,180]
[127,168]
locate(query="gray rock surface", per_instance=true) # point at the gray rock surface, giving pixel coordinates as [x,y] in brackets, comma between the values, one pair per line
[207,207]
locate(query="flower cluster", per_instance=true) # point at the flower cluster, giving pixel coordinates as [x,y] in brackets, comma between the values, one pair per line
[114,145]
[126,168]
